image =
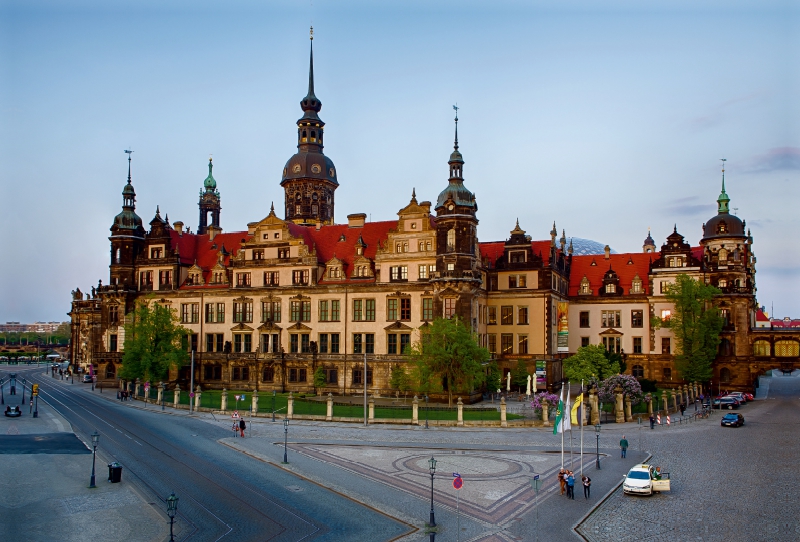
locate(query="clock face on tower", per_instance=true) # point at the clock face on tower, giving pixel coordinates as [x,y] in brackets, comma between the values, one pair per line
[296,168]
[450,207]
[315,168]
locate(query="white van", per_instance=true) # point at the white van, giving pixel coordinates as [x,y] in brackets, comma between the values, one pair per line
[644,479]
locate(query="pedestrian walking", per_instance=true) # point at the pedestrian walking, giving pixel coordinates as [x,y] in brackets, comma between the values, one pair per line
[242,426]
[683,409]
[623,445]
[562,480]
[652,422]
[587,486]
[235,429]
[570,486]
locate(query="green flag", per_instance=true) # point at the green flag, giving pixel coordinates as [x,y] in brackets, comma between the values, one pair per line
[559,413]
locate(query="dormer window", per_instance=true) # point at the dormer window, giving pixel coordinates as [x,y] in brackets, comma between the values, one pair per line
[636,285]
[584,288]
[283,253]
[155,253]
[722,283]
[258,254]
[611,288]
[518,256]
[722,228]
[360,251]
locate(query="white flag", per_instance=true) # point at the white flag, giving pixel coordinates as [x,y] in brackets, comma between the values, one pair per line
[567,409]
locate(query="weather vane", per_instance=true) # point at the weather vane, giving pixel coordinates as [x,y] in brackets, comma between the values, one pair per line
[723,160]
[456,108]
[312,33]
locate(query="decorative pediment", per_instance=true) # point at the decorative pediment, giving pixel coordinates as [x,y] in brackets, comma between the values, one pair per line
[585,287]
[362,268]
[398,326]
[611,333]
[241,327]
[398,293]
[195,275]
[300,297]
[269,326]
[298,326]
[334,269]
[243,299]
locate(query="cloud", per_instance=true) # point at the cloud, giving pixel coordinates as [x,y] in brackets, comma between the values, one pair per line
[687,206]
[718,113]
[777,159]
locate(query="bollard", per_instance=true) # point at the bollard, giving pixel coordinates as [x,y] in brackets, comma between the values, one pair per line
[197,394]
[415,411]
[290,406]
[460,410]
[371,408]
[619,413]
[176,399]
[503,421]
[223,400]
[329,410]
[254,404]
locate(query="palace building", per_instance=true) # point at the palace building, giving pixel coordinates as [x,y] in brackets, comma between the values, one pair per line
[268,305]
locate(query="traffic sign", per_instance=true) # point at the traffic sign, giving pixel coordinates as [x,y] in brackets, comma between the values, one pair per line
[235,414]
[36,389]
[191,394]
[458,482]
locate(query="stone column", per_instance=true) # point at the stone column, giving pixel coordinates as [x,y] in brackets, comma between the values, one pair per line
[136,385]
[415,411]
[329,410]
[290,406]
[460,409]
[674,399]
[223,398]
[371,407]
[198,393]
[121,385]
[694,392]
[628,415]
[649,406]
[177,398]
[594,404]
[254,404]
[664,401]
[619,413]
[545,412]
[160,392]
[503,420]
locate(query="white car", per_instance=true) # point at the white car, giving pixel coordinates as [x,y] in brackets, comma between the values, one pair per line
[643,479]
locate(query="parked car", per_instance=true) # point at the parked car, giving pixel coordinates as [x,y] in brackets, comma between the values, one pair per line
[749,396]
[87,379]
[726,402]
[645,479]
[738,395]
[732,420]
[13,412]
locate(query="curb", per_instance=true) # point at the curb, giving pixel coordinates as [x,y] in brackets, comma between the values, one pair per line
[600,502]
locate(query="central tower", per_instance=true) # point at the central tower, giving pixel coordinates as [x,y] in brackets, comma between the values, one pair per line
[309,177]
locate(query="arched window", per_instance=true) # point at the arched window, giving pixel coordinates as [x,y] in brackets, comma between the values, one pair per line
[638,371]
[116,257]
[313,135]
[298,197]
[451,239]
[761,348]
[787,349]
[724,347]
[723,255]
[667,374]
[111,371]
[305,137]
[725,375]
[722,283]
[610,288]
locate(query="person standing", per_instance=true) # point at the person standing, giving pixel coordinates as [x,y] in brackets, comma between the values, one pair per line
[683,409]
[562,480]
[623,445]
[242,426]
[652,421]
[570,486]
[587,484]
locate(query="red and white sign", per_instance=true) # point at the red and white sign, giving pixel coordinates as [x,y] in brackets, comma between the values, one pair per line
[658,418]
[235,415]
[668,420]
[458,483]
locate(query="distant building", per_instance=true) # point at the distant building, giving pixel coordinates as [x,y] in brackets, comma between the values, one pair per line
[36,327]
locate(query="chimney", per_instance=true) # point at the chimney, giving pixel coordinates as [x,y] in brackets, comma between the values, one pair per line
[319,225]
[178,227]
[213,231]
[356,220]
[607,250]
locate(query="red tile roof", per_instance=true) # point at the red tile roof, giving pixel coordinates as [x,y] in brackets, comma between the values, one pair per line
[200,249]
[582,266]
[761,317]
[493,251]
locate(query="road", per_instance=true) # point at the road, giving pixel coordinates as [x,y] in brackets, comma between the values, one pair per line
[224,494]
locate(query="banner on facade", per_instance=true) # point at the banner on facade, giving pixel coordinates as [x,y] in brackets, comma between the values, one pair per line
[563,326]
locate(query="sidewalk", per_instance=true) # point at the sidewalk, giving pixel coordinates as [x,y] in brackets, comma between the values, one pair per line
[44,492]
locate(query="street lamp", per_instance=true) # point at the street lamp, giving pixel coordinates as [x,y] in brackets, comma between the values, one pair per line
[273,405]
[95,440]
[426,412]
[172,510]
[597,434]
[23,391]
[432,468]
[285,438]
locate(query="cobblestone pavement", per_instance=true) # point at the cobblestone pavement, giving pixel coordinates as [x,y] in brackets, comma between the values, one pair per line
[728,484]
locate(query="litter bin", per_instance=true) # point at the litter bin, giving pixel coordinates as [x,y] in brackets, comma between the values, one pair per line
[114,472]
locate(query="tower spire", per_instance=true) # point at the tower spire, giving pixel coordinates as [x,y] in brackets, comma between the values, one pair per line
[455,144]
[129,152]
[311,65]
[723,199]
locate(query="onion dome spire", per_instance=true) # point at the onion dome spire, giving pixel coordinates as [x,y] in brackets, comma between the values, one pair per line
[311,105]
[723,199]
[210,184]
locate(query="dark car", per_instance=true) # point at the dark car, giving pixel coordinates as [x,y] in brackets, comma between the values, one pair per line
[13,412]
[726,402]
[732,420]
[86,379]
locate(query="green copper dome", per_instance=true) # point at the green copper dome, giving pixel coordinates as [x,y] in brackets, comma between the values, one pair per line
[210,184]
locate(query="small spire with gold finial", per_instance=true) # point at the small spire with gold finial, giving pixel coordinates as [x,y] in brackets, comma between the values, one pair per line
[723,199]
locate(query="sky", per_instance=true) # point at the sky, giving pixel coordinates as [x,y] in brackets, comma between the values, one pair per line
[607,117]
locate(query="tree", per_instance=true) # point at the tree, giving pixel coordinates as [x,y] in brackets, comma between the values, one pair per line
[447,352]
[696,324]
[400,379]
[319,378]
[519,374]
[493,378]
[152,342]
[590,363]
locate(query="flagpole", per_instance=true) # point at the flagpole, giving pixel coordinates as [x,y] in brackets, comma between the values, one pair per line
[580,421]
[561,425]
[569,391]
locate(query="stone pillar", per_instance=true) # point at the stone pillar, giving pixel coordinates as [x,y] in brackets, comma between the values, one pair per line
[198,393]
[290,406]
[415,411]
[674,399]
[223,398]
[177,398]
[545,412]
[122,385]
[700,387]
[649,402]
[503,420]
[329,410]
[136,385]
[664,401]
[460,411]
[595,406]
[628,415]
[371,407]
[254,404]
[160,392]
[694,392]
[619,413]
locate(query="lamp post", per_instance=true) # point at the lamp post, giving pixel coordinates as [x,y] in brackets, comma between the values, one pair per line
[426,411]
[432,468]
[597,435]
[285,438]
[95,440]
[273,404]
[172,511]
[23,391]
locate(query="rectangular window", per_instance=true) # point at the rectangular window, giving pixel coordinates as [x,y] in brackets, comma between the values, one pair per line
[272,278]
[423,272]
[358,376]
[665,345]
[323,311]
[300,277]
[146,280]
[612,344]
[507,343]
[270,311]
[666,314]
[584,341]
[637,318]
[294,343]
[584,319]
[522,315]
[637,345]
[391,343]
[611,318]
[209,313]
[323,343]
[155,253]
[427,308]
[664,286]
[334,343]
[242,342]
[112,342]
[357,348]
[268,374]
[305,343]
[306,311]
[283,253]
[517,281]
[492,316]
[258,254]
[165,280]
[242,311]
[276,343]
[369,343]
[242,279]
[507,316]
[220,342]
[522,343]
[297,375]
[113,315]
[405,342]
[358,314]
[449,307]
[405,309]
[369,310]
[331,376]
[398,343]
[492,343]
[334,310]
[300,311]
[195,313]
[391,309]
[398,273]
[190,313]
[210,338]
